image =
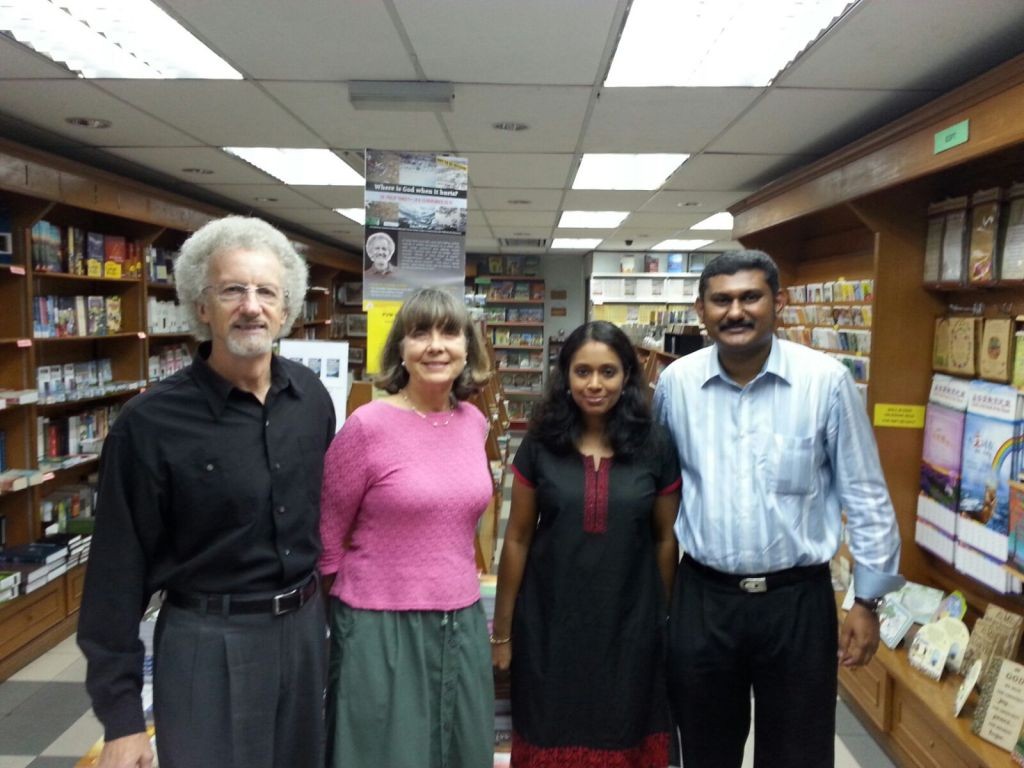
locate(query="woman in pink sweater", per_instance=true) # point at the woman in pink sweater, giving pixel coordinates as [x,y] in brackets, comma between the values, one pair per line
[405,481]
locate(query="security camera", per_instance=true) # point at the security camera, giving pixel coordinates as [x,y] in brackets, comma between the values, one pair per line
[629,242]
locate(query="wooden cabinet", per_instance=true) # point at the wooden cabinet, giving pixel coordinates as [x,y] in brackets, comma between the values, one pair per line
[56,317]
[862,213]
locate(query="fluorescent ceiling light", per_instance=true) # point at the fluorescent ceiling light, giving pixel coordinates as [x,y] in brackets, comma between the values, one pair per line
[681,245]
[625,171]
[715,42]
[112,38]
[358,215]
[722,220]
[401,95]
[576,243]
[314,167]
[592,219]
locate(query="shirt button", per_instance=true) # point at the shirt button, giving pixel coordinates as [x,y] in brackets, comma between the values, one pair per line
[266,423]
[287,552]
[280,510]
[209,467]
[277,465]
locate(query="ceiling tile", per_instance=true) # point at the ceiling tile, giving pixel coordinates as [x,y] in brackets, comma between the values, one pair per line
[723,171]
[498,199]
[604,199]
[46,103]
[522,218]
[19,61]
[695,203]
[488,169]
[324,107]
[524,42]
[333,197]
[226,169]
[221,113]
[663,119]
[327,40]
[908,44]
[647,220]
[554,117]
[792,120]
[285,197]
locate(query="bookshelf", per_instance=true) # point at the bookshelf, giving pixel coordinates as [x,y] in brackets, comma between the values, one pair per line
[662,294]
[863,213]
[77,340]
[514,314]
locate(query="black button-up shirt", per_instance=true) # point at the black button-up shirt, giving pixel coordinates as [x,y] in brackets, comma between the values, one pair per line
[202,489]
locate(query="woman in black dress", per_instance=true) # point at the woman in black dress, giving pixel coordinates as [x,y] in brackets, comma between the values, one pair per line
[587,565]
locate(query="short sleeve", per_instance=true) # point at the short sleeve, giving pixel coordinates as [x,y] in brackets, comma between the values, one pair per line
[524,465]
[668,478]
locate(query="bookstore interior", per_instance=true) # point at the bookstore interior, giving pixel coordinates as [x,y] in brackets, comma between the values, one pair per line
[889,188]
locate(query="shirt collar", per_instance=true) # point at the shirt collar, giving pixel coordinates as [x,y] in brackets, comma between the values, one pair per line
[216,389]
[776,365]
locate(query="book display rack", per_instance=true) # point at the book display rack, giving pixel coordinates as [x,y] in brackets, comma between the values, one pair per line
[89,320]
[868,212]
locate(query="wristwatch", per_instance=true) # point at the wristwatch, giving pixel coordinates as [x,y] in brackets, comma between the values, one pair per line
[871,603]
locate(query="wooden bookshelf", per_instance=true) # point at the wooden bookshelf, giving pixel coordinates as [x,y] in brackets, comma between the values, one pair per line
[862,212]
[36,187]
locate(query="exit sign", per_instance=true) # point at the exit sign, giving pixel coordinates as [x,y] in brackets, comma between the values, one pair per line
[951,137]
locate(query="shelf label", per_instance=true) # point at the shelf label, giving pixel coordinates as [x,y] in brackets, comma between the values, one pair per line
[951,137]
[17,270]
[899,416]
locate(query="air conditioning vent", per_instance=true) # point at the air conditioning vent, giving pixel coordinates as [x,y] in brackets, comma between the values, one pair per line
[523,242]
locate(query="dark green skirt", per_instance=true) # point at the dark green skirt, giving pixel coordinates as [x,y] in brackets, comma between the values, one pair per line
[410,689]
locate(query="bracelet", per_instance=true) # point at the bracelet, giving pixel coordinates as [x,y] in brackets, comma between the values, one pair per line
[500,640]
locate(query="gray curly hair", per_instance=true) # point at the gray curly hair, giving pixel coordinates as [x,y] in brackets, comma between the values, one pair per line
[191,267]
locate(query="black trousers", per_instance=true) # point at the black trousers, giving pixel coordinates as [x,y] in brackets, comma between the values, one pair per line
[724,642]
[240,691]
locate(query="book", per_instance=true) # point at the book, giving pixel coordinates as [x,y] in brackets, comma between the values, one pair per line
[113,314]
[995,358]
[1012,256]
[981,255]
[627,263]
[115,253]
[675,262]
[940,346]
[964,343]
[933,248]
[495,265]
[651,262]
[96,315]
[999,716]
[954,239]
[513,265]
[94,254]
[35,553]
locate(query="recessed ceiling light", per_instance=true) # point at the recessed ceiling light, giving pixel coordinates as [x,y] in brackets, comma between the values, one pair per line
[198,171]
[510,126]
[519,201]
[619,171]
[314,167]
[576,243]
[88,122]
[357,215]
[721,220]
[696,43]
[116,39]
[592,219]
[681,245]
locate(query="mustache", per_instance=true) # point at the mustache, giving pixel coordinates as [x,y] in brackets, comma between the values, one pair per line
[739,324]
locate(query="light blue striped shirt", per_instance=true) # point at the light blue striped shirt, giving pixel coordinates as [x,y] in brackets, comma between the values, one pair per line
[768,468]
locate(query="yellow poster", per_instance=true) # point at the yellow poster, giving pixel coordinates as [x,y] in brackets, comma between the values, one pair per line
[380,316]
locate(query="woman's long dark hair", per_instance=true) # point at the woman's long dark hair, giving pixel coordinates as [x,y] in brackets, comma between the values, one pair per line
[557,422]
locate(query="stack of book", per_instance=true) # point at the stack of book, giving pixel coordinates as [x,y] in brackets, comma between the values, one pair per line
[38,563]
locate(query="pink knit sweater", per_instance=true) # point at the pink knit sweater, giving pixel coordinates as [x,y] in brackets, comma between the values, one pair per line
[399,507]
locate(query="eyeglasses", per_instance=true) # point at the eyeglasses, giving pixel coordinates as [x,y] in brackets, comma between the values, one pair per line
[230,294]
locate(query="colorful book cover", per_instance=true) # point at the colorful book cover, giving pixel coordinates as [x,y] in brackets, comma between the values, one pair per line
[96,315]
[113,314]
[94,254]
[115,252]
[674,262]
[941,454]
[1016,543]
[990,442]
[651,262]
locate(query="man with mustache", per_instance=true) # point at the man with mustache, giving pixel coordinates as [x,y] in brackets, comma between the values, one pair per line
[775,446]
[209,490]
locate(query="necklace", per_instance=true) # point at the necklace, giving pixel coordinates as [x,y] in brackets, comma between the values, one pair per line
[448,416]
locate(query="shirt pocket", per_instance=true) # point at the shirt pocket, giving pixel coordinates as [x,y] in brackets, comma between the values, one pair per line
[794,464]
[216,492]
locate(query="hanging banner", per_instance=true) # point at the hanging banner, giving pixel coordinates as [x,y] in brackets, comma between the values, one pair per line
[416,207]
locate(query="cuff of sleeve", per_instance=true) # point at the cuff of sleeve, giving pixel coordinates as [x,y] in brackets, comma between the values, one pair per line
[122,719]
[869,582]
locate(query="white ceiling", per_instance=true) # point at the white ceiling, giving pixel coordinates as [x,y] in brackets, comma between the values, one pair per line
[538,62]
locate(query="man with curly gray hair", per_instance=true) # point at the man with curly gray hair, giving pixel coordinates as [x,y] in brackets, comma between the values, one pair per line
[209,491]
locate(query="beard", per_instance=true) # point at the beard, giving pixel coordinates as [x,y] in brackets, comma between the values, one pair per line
[250,345]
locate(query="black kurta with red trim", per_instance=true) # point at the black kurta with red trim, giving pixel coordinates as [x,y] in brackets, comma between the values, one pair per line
[588,629]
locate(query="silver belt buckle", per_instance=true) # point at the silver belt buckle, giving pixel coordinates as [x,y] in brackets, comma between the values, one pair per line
[758,584]
[278,610]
